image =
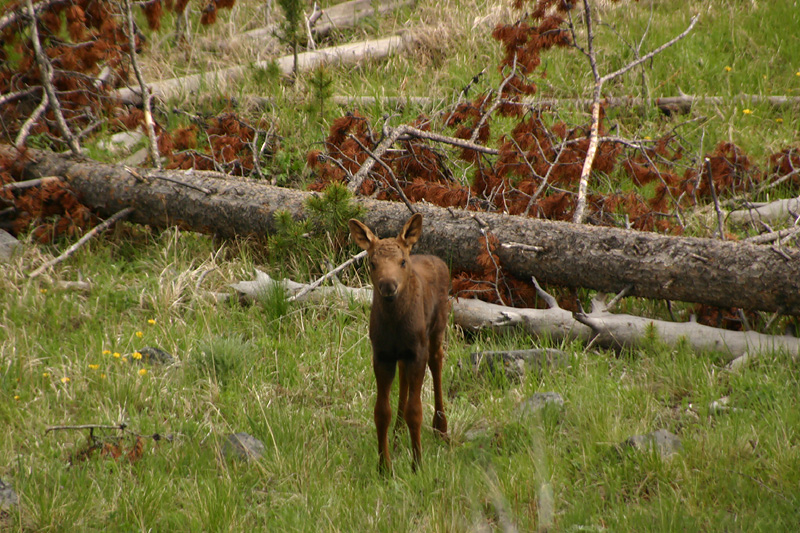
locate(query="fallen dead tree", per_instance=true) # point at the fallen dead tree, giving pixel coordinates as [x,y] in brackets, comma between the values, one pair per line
[321,23]
[719,273]
[225,78]
[787,210]
[600,326]
[669,105]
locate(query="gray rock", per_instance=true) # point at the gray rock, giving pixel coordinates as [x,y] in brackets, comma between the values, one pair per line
[516,363]
[8,498]
[662,440]
[540,401]
[8,245]
[155,356]
[242,446]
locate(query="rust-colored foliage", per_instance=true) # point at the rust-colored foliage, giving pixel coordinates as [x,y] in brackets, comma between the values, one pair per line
[731,171]
[726,318]
[110,447]
[786,163]
[50,211]
[153,10]
[230,147]
[87,43]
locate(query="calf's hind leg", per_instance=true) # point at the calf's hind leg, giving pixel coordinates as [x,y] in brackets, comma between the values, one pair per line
[435,364]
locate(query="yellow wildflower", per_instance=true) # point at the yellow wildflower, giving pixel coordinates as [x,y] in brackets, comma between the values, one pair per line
[151,321]
[124,359]
[117,355]
[16,397]
[106,352]
[94,367]
[43,291]
[102,376]
[65,379]
[779,120]
[136,355]
[139,334]
[728,69]
[142,371]
[747,111]
[45,374]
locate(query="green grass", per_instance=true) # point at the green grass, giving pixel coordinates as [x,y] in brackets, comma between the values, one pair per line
[298,377]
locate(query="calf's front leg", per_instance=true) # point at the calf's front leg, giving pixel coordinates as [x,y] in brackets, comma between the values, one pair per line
[384,375]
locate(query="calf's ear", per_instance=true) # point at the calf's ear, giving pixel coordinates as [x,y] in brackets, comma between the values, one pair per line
[361,234]
[411,231]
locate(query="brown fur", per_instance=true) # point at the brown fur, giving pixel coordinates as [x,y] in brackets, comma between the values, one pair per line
[410,307]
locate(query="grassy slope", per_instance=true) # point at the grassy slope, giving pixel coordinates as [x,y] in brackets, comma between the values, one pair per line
[298,377]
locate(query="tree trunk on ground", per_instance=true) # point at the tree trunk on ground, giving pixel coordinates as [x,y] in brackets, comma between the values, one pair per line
[778,211]
[225,78]
[600,327]
[344,15]
[720,273]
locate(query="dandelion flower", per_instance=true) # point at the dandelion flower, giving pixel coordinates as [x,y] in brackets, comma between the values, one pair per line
[124,359]
[16,397]
[106,352]
[728,69]
[151,321]
[136,355]
[65,379]
[117,355]
[139,334]
[102,376]
[747,111]
[779,120]
[43,291]
[94,367]
[45,374]
[142,371]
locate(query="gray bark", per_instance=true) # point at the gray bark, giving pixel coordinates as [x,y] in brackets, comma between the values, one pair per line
[720,273]
[601,327]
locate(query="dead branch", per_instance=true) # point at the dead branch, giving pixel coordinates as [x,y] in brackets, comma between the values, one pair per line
[319,281]
[144,90]
[20,185]
[396,134]
[21,15]
[83,240]
[583,187]
[24,131]
[46,72]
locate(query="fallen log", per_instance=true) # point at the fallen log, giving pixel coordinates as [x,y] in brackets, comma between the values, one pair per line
[600,327]
[719,273]
[787,210]
[343,15]
[227,78]
[669,105]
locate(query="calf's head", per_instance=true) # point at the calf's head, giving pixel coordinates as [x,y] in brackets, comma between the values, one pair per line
[389,261]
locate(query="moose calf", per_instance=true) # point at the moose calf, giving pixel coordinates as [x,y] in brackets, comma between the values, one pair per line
[410,309]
